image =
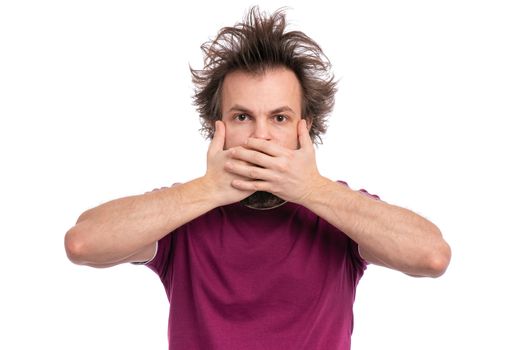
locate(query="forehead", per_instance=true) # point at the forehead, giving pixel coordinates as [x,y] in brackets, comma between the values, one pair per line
[268,89]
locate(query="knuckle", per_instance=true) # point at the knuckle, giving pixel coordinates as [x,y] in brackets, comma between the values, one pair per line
[283,167]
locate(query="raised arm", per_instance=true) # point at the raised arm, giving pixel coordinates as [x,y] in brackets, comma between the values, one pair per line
[127,229]
[386,234]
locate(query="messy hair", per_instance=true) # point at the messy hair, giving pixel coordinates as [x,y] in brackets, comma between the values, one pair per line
[255,45]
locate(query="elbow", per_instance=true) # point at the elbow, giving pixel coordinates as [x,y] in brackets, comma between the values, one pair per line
[75,240]
[438,260]
[75,246]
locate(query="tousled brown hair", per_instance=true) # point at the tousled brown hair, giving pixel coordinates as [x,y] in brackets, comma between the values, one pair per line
[259,43]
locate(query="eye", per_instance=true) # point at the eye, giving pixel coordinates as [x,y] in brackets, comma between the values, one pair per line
[280,118]
[241,117]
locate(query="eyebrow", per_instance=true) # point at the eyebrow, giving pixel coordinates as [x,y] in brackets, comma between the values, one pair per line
[281,109]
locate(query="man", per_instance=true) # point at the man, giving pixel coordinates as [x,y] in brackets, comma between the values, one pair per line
[262,252]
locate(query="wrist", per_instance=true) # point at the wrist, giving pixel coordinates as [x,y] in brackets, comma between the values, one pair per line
[315,190]
[207,190]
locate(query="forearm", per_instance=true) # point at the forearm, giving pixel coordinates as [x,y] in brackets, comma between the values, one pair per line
[117,229]
[388,235]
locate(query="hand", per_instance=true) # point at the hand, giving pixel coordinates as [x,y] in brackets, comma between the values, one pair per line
[265,166]
[219,180]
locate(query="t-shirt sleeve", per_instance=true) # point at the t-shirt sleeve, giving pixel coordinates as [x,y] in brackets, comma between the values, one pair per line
[358,261]
[356,250]
[160,264]
[147,261]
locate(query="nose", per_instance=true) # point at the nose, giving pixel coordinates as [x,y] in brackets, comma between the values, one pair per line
[261,129]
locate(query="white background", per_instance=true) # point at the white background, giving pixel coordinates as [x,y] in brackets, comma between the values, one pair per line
[95,103]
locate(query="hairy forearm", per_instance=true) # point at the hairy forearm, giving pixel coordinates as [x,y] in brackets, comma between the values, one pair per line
[389,235]
[117,229]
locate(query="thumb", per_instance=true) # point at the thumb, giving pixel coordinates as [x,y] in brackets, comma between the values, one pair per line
[303,135]
[218,141]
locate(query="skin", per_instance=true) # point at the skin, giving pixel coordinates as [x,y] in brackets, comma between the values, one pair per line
[264,152]
[261,144]
[266,107]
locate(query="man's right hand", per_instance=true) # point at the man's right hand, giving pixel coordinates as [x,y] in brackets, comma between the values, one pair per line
[127,229]
[217,179]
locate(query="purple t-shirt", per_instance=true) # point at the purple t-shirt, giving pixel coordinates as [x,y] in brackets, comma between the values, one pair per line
[240,278]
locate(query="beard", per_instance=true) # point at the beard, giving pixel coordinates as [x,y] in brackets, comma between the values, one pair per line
[262,200]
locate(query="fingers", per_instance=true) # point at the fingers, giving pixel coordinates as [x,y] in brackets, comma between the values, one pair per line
[270,148]
[251,185]
[249,171]
[303,135]
[219,138]
[252,156]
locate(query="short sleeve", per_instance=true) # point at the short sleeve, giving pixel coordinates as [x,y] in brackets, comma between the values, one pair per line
[358,261]
[359,264]
[147,261]
[162,261]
